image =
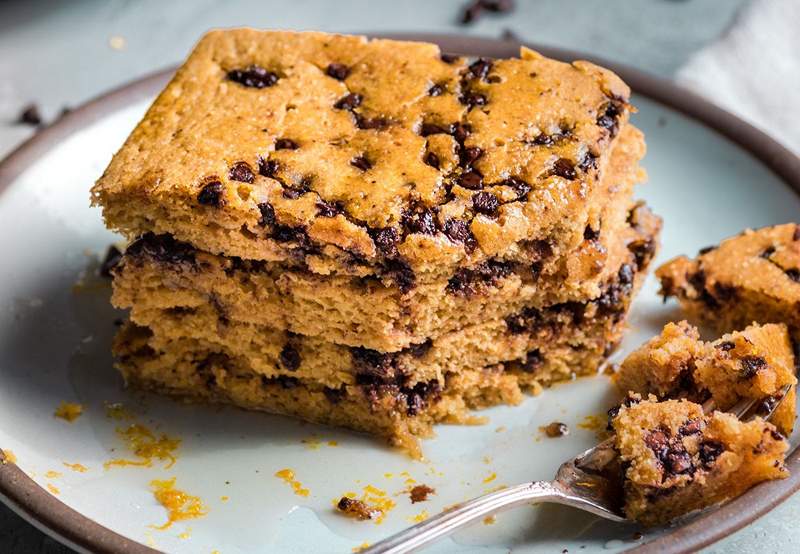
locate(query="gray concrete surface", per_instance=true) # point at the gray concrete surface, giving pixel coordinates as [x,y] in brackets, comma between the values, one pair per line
[61,53]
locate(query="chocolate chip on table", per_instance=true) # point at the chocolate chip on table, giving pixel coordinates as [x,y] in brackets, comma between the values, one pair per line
[432,160]
[285,144]
[110,261]
[750,365]
[471,180]
[349,102]
[509,34]
[564,168]
[555,429]
[361,162]
[267,214]
[436,90]
[30,115]
[474,9]
[290,357]
[241,171]
[357,509]
[253,76]
[267,168]
[212,194]
[338,71]
[485,203]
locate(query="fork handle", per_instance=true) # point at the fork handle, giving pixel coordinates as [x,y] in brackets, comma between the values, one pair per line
[448,521]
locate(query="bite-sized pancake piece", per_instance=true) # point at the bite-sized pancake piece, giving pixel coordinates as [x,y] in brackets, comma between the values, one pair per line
[678,460]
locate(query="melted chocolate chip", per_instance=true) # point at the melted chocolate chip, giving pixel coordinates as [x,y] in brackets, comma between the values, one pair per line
[361,162]
[373,367]
[328,209]
[519,186]
[458,231]
[267,168]
[470,281]
[609,117]
[212,194]
[479,69]
[254,76]
[709,452]
[590,234]
[162,248]
[432,160]
[386,240]
[472,99]
[471,180]
[267,214]
[349,102]
[468,156]
[335,396]
[726,346]
[290,357]
[564,168]
[460,132]
[643,252]
[793,273]
[485,203]
[533,361]
[750,365]
[285,233]
[427,129]
[401,273]
[588,161]
[285,144]
[419,219]
[241,171]
[691,427]
[418,396]
[338,71]
[371,122]
[419,350]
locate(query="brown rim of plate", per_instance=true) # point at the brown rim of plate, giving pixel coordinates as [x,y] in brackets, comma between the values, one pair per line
[54,517]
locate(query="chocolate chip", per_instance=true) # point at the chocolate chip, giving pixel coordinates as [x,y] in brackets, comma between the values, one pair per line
[709,452]
[706,250]
[449,58]
[267,214]
[401,273]
[386,240]
[285,144]
[658,442]
[643,252]
[564,168]
[796,234]
[556,429]
[349,102]
[479,69]
[254,76]
[284,381]
[111,260]
[335,396]
[471,180]
[471,281]
[290,357]
[293,193]
[418,396]
[485,203]
[241,171]
[458,231]
[518,186]
[750,365]
[361,162]
[588,161]
[374,367]
[468,156]
[419,219]
[436,90]
[793,274]
[371,122]
[471,12]
[609,117]
[419,350]
[533,361]
[691,427]
[498,6]
[338,71]
[427,129]
[267,168]
[472,99]
[329,209]
[590,234]
[212,194]
[726,346]
[30,115]
[162,248]
[460,132]
[679,461]
[432,160]
[285,233]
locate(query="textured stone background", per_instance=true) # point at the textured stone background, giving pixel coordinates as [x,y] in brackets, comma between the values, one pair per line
[60,54]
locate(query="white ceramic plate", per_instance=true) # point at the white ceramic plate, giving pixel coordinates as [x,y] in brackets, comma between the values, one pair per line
[55,342]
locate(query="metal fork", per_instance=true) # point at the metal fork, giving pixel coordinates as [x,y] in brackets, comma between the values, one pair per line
[591,482]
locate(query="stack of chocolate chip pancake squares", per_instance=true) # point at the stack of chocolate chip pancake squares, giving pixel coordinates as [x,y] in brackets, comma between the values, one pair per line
[374,234]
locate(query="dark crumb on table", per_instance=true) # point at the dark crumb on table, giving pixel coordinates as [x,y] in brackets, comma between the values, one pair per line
[509,34]
[420,493]
[30,115]
[476,8]
[555,429]
[357,509]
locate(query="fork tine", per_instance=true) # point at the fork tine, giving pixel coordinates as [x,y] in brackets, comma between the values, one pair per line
[766,407]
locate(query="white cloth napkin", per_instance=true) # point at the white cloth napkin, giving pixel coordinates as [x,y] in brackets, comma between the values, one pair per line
[753,69]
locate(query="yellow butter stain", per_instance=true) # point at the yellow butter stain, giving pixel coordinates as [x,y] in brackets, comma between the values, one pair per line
[9,457]
[79,468]
[224,498]
[68,411]
[117,411]
[146,447]
[489,478]
[287,475]
[179,504]
[333,443]
[52,474]
[489,520]
[360,547]
[500,429]
[53,489]
[185,535]
[388,475]
[596,423]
